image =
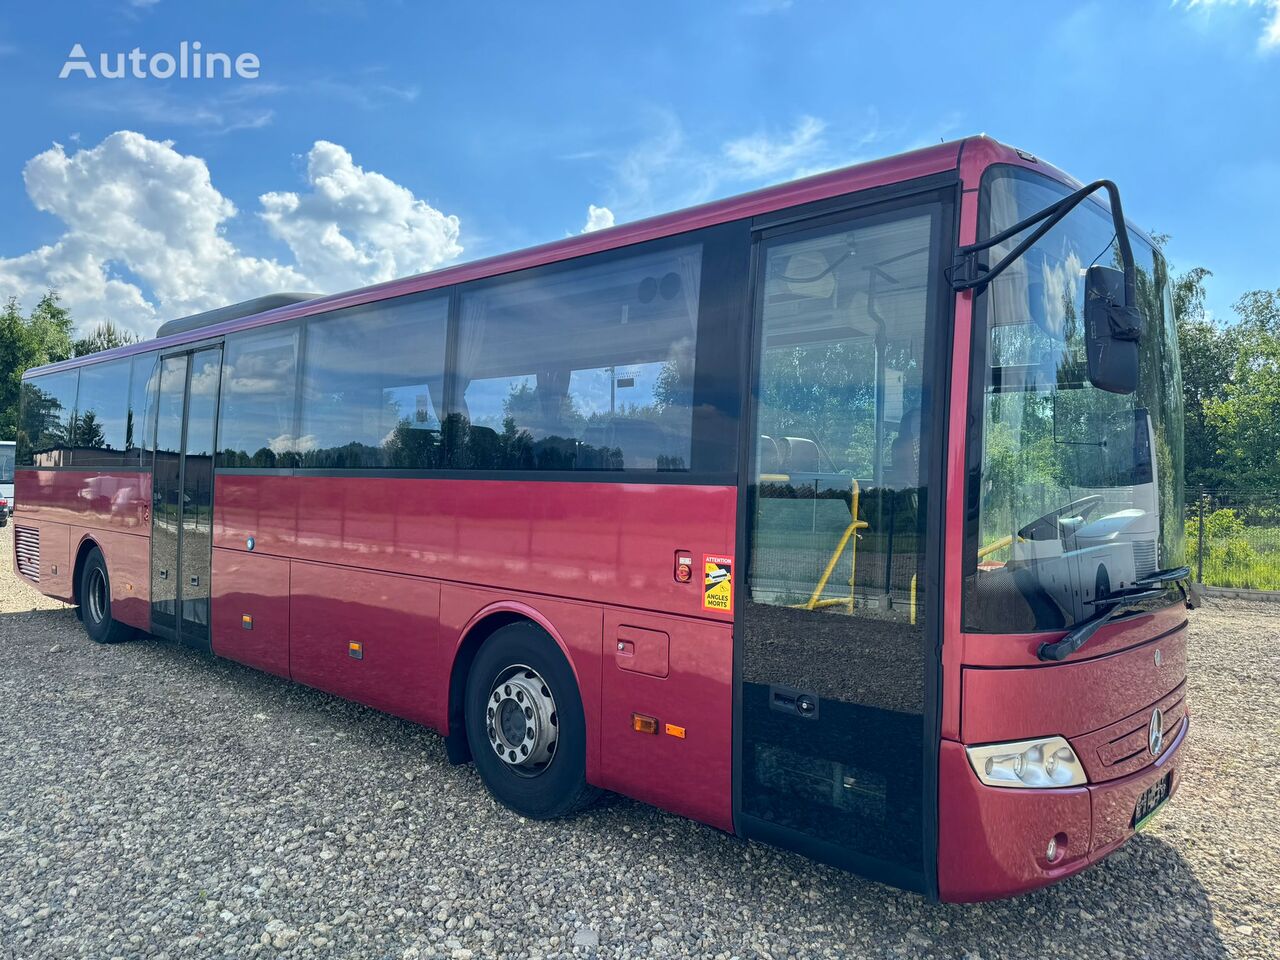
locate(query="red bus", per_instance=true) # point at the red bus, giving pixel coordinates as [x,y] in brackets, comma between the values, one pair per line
[844,515]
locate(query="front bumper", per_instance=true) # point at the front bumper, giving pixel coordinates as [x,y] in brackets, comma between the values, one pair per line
[992,841]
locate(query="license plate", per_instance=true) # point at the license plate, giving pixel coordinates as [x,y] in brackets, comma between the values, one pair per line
[1149,803]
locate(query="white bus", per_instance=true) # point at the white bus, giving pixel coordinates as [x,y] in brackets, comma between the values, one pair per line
[6,479]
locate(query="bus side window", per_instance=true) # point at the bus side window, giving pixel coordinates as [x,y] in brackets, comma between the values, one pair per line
[256,423]
[46,419]
[584,367]
[373,385]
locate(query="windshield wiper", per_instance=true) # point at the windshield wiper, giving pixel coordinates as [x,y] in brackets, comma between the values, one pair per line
[1171,575]
[1108,608]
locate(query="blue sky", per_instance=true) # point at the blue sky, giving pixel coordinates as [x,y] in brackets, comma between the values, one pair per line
[452,131]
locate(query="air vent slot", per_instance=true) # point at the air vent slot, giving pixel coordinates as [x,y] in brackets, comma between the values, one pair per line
[26,550]
[1144,557]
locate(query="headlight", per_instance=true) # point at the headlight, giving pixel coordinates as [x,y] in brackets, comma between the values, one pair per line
[1046,762]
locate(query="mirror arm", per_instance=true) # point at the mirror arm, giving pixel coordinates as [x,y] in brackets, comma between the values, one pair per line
[967,273]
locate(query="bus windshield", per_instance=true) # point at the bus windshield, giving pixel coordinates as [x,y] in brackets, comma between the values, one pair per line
[1078,492]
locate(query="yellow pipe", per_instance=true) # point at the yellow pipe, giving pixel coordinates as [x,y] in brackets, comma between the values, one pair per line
[831,565]
[814,601]
[913,599]
[992,547]
[853,553]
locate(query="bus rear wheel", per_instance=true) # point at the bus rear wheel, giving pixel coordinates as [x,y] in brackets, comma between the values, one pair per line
[95,602]
[525,724]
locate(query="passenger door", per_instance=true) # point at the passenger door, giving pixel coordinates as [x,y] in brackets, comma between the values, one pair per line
[836,662]
[182,495]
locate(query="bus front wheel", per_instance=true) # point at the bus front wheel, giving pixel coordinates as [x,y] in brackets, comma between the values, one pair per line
[95,602]
[525,724]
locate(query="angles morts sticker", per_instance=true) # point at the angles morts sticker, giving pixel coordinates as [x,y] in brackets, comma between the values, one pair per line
[717,586]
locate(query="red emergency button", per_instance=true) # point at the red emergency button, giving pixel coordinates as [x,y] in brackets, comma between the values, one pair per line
[684,566]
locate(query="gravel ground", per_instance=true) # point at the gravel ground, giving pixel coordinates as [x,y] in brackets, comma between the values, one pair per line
[154,803]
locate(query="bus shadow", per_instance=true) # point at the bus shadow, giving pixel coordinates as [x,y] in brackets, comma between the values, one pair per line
[1144,900]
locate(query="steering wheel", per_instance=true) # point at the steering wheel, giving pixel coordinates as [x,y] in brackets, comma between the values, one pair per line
[1047,528]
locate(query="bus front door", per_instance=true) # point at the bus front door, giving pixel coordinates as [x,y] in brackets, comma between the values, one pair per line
[834,661]
[182,495]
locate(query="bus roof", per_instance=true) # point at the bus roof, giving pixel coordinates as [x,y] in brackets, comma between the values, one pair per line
[905,166]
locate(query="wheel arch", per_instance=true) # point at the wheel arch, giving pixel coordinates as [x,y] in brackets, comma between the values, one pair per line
[478,629]
[86,546]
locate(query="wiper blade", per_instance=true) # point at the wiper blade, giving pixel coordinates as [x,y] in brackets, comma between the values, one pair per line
[1180,577]
[1170,575]
[1141,590]
[1083,631]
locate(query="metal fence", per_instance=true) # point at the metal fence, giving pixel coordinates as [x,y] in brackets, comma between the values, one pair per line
[1233,538]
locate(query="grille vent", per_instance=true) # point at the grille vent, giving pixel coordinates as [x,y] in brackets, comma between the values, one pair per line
[26,550]
[1144,557]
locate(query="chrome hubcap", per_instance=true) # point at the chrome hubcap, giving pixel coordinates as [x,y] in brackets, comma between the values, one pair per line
[96,595]
[520,717]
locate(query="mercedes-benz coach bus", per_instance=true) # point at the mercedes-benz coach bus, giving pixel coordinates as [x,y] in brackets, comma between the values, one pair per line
[845,515]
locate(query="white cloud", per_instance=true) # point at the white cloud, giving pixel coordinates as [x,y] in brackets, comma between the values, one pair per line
[1270,37]
[144,233]
[241,107]
[598,218]
[356,227]
[666,171]
[761,155]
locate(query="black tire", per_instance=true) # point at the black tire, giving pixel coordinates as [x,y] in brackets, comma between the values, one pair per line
[95,602]
[558,787]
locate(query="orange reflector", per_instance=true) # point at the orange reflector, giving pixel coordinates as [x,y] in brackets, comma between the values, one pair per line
[246,621]
[642,724]
[355,650]
[674,731]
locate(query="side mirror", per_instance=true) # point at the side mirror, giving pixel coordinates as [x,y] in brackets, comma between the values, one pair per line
[1113,329]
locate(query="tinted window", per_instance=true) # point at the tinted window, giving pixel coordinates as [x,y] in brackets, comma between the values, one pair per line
[143,382]
[373,385]
[102,413]
[45,419]
[588,367]
[6,463]
[258,393]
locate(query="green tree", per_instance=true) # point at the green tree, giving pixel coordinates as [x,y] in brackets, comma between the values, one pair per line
[104,336]
[86,431]
[44,336]
[1247,414]
[1208,351]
